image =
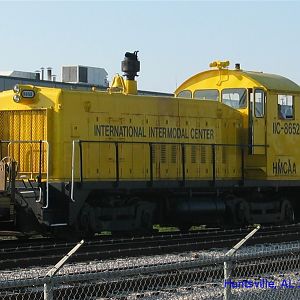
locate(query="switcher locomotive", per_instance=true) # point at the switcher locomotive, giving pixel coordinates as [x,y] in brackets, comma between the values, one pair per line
[222,152]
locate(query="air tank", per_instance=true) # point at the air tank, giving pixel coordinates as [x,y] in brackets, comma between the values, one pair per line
[206,209]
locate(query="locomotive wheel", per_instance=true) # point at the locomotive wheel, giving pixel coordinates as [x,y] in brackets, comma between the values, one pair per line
[242,212]
[287,212]
[144,216]
[86,221]
[146,221]
[237,212]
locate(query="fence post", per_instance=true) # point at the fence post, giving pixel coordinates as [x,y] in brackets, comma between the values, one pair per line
[228,263]
[48,285]
[48,290]
[227,276]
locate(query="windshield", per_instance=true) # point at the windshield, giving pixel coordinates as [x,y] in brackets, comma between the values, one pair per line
[235,98]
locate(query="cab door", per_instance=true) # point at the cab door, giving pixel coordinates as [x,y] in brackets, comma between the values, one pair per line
[257,124]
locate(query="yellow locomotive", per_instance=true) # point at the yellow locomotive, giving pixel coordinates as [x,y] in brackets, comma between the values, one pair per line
[223,151]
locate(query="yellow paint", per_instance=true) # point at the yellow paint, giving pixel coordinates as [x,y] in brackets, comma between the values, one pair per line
[128,87]
[131,87]
[72,115]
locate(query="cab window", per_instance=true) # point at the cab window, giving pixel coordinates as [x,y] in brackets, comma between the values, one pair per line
[285,107]
[185,94]
[259,107]
[206,94]
[236,98]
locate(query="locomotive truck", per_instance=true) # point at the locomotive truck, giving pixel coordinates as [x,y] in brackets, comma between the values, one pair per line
[222,152]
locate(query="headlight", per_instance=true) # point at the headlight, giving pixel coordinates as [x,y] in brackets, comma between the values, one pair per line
[17,98]
[16,88]
[28,94]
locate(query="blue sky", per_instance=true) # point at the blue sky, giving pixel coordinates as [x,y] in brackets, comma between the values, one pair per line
[176,39]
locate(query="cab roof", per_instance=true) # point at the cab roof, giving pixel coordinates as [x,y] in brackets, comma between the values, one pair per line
[273,82]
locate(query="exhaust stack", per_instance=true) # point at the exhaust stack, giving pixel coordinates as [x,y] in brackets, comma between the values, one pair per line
[130,66]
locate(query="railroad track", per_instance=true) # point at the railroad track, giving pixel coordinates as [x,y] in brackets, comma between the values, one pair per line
[46,253]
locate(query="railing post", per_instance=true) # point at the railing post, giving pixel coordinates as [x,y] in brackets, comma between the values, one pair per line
[48,285]
[13,187]
[243,165]
[117,163]
[183,163]
[151,163]
[214,163]
[228,263]
[13,179]
[73,169]
[40,163]
[80,161]
[47,175]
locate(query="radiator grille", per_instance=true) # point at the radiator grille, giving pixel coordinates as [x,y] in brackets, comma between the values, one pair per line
[173,154]
[193,154]
[24,125]
[163,154]
[203,154]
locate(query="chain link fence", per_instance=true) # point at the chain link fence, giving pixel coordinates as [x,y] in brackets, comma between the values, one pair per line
[256,272]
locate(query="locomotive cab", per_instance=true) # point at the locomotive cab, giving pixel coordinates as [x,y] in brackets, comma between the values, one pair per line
[267,103]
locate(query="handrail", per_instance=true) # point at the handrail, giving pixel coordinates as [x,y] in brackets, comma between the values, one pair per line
[172,143]
[40,196]
[116,143]
[47,163]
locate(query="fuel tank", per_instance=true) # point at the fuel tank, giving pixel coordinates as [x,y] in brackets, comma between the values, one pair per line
[198,210]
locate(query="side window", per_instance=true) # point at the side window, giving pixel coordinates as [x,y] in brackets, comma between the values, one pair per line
[185,94]
[236,98]
[206,94]
[259,103]
[285,107]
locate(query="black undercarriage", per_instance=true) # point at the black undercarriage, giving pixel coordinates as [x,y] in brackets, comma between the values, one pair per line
[135,206]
